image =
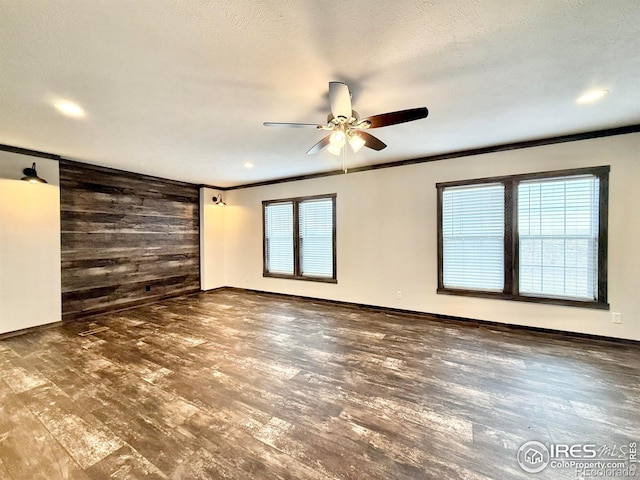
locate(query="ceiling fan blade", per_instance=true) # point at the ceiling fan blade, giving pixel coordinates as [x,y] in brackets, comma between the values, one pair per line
[392,118]
[319,146]
[291,125]
[340,99]
[371,141]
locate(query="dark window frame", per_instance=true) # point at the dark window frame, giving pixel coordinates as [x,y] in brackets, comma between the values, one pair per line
[511,238]
[297,260]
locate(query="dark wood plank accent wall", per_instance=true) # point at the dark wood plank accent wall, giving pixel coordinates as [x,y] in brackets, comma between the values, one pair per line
[127,239]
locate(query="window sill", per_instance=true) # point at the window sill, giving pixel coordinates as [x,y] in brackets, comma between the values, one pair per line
[300,277]
[521,298]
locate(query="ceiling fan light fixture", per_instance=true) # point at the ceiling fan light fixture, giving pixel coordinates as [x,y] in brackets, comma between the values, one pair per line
[344,124]
[337,139]
[356,142]
[334,150]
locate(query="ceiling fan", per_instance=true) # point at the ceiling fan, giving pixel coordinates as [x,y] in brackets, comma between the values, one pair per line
[346,125]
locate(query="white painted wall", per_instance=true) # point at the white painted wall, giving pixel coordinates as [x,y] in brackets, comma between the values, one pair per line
[30,290]
[386,236]
[212,242]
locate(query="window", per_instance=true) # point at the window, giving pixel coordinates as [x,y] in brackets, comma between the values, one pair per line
[300,238]
[537,237]
[558,237]
[278,228]
[473,236]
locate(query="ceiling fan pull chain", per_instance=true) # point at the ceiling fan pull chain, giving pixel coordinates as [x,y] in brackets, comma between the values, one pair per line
[344,159]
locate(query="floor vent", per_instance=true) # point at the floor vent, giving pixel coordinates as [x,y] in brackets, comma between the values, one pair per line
[93,330]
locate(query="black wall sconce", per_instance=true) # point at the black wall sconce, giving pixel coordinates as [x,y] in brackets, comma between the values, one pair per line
[218,200]
[31,176]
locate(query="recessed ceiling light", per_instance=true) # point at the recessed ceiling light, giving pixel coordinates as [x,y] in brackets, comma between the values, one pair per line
[69,108]
[248,165]
[591,96]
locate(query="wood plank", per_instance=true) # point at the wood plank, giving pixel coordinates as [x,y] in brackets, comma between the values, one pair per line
[140,253]
[27,449]
[75,221]
[125,463]
[106,240]
[81,201]
[86,440]
[114,260]
[128,273]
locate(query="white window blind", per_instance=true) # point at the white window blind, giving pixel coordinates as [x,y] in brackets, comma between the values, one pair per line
[473,237]
[278,228]
[316,237]
[558,236]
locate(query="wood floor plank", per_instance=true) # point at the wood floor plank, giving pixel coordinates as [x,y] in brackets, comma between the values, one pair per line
[124,463]
[28,451]
[4,474]
[86,440]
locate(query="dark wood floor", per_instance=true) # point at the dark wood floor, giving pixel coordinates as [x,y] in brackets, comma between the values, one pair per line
[245,386]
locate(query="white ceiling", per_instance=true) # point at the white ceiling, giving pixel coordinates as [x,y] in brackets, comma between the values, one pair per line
[179,89]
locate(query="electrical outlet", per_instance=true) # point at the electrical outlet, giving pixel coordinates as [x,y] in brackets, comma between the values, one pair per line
[616,318]
[399,294]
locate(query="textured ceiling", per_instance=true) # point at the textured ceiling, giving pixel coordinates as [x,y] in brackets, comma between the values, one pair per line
[179,89]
